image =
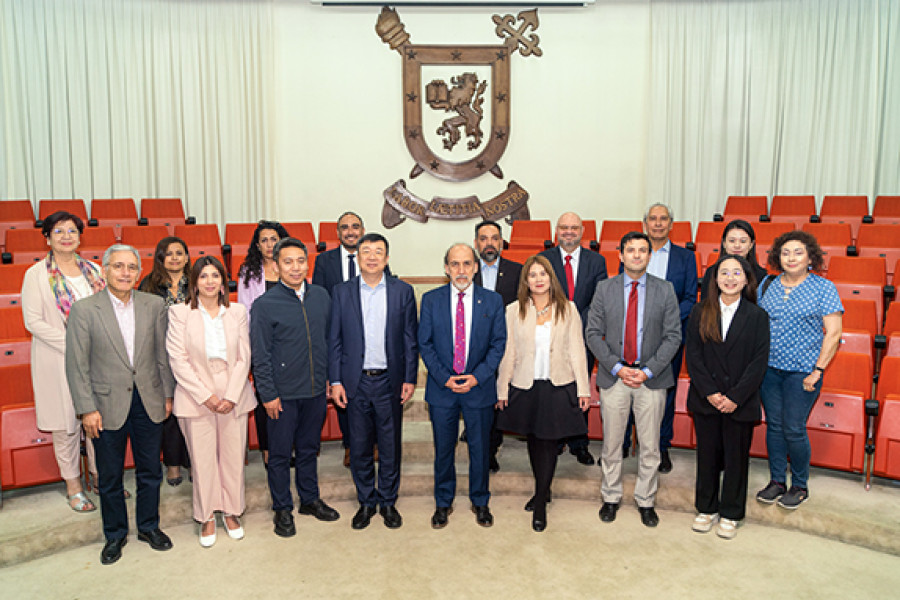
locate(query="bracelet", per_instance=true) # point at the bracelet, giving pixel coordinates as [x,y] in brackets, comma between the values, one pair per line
[820,369]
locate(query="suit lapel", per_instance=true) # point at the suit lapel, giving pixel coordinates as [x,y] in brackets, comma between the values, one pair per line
[141,325]
[557,263]
[356,303]
[111,325]
[738,322]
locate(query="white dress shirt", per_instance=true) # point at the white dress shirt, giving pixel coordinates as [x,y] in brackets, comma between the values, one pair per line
[576,256]
[125,317]
[467,307]
[344,266]
[214,332]
[728,315]
[542,350]
[659,261]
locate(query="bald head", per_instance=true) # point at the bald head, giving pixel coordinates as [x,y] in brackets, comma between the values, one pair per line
[569,231]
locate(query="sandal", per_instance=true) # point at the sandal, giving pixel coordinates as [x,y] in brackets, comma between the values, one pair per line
[83,503]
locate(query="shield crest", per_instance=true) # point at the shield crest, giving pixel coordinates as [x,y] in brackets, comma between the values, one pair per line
[456,117]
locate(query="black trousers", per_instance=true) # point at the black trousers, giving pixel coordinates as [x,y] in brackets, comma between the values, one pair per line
[723,448]
[110,449]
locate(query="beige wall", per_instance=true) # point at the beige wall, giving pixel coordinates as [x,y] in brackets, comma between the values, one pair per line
[579,117]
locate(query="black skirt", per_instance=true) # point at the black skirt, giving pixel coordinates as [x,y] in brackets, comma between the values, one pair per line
[546,411]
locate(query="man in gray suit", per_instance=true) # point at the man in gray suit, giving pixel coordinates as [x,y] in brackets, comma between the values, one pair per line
[634,330]
[122,386]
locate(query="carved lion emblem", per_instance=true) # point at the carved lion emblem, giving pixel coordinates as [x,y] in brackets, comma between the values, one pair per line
[465,98]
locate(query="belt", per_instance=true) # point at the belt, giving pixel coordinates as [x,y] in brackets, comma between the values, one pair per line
[634,365]
[374,372]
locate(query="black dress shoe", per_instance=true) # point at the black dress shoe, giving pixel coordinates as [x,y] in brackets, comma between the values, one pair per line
[665,463]
[392,518]
[284,523]
[439,518]
[529,506]
[483,515]
[363,517]
[608,512]
[584,456]
[112,551]
[319,510]
[156,538]
[649,517]
[625,451]
[538,524]
[493,464]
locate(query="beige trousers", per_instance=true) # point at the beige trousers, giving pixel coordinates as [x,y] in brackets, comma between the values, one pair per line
[67,448]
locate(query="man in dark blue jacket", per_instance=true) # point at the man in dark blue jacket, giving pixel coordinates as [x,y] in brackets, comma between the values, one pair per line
[288,336]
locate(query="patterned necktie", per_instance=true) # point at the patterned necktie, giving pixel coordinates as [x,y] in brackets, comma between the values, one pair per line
[351,267]
[631,325]
[570,277]
[459,346]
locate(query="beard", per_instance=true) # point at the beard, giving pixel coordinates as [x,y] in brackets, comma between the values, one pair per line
[489,254]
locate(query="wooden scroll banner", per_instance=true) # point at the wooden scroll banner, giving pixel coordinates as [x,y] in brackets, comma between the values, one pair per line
[400,203]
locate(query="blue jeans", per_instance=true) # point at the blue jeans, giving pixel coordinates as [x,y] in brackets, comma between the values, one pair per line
[787,407]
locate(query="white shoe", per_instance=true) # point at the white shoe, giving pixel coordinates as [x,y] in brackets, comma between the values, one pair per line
[208,540]
[727,528]
[237,533]
[704,522]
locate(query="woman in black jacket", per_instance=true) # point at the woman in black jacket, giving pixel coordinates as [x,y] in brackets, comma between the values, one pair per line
[727,350]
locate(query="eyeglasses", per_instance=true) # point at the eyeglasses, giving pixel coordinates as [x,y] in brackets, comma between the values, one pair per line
[59,231]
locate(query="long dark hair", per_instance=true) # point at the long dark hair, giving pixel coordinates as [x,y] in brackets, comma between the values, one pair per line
[557,295]
[201,263]
[710,312]
[158,279]
[252,266]
[748,229]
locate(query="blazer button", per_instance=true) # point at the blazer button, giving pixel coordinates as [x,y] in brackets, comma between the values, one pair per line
[129,388]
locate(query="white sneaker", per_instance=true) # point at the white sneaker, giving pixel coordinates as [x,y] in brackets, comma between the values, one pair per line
[704,522]
[727,529]
[208,540]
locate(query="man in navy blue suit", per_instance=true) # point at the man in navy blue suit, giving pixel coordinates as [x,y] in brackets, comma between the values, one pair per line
[372,365]
[678,266]
[578,271]
[462,337]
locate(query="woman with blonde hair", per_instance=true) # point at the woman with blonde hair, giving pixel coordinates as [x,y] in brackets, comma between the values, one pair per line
[543,384]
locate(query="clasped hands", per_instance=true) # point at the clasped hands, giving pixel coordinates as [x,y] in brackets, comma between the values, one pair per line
[722,403]
[631,377]
[461,384]
[216,405]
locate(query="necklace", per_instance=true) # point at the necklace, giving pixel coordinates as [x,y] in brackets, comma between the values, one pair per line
[543,311]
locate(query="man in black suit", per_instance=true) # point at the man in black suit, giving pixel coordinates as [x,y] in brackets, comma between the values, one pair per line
[337,266]
[373,363]
[498,275]
[579,271]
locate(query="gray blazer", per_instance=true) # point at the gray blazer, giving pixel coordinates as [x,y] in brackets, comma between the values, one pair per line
[662,330]
[97,368]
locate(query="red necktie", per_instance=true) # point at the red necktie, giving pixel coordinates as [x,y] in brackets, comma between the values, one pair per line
[570,277]
[631,325]
[459,346]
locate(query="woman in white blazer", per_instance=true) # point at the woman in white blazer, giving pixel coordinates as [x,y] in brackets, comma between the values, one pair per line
[49,289]
[208,341]
[543,383]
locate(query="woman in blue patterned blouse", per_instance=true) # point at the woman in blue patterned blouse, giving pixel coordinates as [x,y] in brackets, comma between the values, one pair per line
[805,315]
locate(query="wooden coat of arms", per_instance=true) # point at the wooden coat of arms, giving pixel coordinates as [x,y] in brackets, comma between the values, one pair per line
[457,125]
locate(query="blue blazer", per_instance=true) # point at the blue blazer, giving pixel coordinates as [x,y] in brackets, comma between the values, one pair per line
[346,337]
[591,271]
[328,271]
[486,346]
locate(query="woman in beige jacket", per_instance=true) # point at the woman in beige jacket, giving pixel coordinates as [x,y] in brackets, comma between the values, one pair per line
[543,383]
[49,290]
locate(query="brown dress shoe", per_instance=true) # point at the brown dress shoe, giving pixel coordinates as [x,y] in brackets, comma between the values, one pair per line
[347,457]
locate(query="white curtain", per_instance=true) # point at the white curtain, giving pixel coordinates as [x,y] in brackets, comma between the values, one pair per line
[769,97]
[138,98]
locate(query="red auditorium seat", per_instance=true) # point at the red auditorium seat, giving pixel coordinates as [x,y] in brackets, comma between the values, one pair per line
[15,214]
[114,212]
[11,277]
[95,241]
[709,239]
[163,211]
[880,240]
[303,231]
[612,261]
[886,209]
[611,233]
[201,240]
[144,238]
[27,246]
[533,236]
[683,427]
[892,329]
[860,278]
[328,235]
[237,240]
[76,207]
[836,425]
[15,340]
[748,208]
[887,439]
[845,209]
[796,210]
[833,238]
[26,454]
[519,256]
[765,236]
[681,233]
[595,420]
[16,385]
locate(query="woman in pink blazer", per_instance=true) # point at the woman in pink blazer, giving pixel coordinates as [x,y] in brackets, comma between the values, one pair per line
[208,342]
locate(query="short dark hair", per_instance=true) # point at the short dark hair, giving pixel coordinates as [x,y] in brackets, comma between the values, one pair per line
[816,258]
[488,223]
[348,213]
[288,242]
[198,267]
[634,235]
[58,217]
[372,238]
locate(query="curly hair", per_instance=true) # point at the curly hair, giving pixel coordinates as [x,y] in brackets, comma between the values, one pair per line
[252,266]
[816,258]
